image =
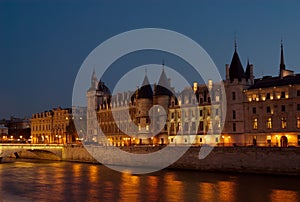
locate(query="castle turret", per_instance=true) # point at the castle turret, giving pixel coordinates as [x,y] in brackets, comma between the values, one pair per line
[236,70]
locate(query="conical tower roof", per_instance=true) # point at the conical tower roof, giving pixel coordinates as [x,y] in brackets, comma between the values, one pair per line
[94,81]
[163,87]
[236,70]
[145,91]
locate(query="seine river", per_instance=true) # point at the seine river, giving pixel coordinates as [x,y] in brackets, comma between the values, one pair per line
[65,181]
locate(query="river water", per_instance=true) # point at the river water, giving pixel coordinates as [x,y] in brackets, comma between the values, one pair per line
[65,181]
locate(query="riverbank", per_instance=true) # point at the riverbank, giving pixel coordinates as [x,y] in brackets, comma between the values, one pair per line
[260,160]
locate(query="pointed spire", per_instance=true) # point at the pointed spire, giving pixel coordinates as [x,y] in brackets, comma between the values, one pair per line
[94,81]
[247,73]
[236,70]
[235,43]
[282,65]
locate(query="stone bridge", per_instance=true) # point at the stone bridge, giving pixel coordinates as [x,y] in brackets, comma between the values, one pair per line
[40,151]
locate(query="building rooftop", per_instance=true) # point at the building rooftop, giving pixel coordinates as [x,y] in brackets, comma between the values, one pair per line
[269,81]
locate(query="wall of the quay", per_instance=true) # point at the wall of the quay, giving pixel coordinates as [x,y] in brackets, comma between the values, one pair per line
[273,160]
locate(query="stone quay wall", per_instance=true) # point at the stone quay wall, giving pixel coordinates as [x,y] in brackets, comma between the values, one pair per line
[264,160]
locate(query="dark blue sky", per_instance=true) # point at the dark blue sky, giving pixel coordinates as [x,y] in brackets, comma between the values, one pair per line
[43,43]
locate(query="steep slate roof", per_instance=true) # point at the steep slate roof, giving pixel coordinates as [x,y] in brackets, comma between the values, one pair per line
[145,91]
[236,70]
[163,87]
[267,82]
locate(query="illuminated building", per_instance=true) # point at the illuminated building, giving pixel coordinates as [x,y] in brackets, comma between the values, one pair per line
[51,127]
[18,130]
[260,112]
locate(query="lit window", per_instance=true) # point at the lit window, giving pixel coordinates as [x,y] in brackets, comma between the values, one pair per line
[283,122]
[255,123]
[298,122]
[210,124]
[208,112]
[269,123]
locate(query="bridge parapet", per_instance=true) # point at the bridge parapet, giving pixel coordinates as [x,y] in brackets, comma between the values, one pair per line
[8,149]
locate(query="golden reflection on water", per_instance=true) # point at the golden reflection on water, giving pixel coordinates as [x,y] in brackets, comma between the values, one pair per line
[173,187]
[108,193]
[129,187]
[152,187]
[93,174]
[58,175]
[85,182]
[278,195]
[93,180]
[76,168]
[207,192]
[76,176]
[227,191]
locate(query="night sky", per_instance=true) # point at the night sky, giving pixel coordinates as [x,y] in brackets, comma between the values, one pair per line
[44,43]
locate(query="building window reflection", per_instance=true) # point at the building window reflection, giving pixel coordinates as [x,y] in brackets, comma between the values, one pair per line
[283,122]
[269,123]
[255,123]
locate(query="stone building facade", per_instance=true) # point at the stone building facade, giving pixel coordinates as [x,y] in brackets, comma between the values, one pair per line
[50,127]
[259,112]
